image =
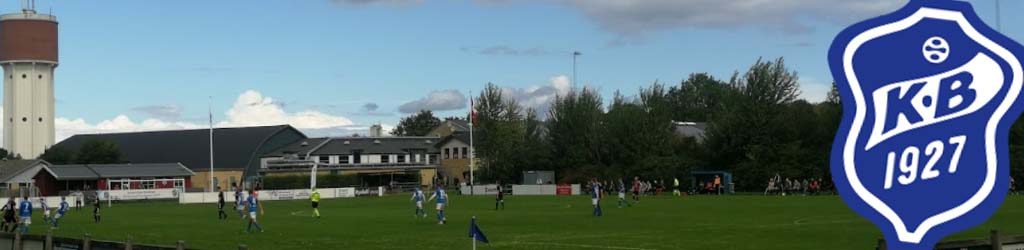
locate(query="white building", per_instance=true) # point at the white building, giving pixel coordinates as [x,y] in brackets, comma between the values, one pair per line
[28,55]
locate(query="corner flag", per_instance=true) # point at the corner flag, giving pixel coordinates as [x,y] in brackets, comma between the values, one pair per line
[475,233]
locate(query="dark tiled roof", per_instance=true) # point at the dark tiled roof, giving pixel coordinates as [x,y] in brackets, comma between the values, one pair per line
[234,148]
[11,168]
[300,147]
[97,171]
[458,136]
[73,172]
[368,145]
[460,125]
[140,170]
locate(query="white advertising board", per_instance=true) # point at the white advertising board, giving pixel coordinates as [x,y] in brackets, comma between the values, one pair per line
[269,195]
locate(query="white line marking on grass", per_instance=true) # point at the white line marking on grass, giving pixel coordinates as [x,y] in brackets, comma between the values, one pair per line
[300,213]
[571,245]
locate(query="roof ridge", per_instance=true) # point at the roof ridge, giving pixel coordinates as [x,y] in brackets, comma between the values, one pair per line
[179,130]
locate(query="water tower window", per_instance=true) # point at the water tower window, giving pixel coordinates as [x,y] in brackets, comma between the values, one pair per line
[24,119]
[40,76]
[40,119]
[23,76]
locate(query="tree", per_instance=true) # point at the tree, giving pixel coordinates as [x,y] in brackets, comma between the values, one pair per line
[698,98]
[763,129]
[576,133]
[500,132]
[419,124]
[98,152]
[58,155]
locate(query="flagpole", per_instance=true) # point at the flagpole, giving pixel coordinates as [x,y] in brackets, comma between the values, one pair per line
[210,112]
[472,151]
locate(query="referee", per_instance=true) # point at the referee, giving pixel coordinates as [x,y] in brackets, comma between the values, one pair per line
[315,198]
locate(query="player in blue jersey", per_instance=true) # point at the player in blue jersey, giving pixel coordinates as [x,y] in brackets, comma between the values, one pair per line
[25,212]
[61,209]
[442,199]
[418,197]
[253,204]
[595,195]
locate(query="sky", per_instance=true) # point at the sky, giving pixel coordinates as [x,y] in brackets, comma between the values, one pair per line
[334,67]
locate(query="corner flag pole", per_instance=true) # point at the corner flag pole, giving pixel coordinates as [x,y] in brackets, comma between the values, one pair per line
[473,239]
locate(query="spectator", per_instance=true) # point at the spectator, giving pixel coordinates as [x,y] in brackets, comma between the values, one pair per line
[718,184]
[1013,185]
[772,187]
[806,186]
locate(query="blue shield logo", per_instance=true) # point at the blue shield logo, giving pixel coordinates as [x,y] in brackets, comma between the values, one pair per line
[929,93]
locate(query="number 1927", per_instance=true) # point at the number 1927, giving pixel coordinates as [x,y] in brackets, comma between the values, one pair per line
[910,159]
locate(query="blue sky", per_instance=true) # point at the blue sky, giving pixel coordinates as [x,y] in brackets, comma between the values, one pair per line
[324,65]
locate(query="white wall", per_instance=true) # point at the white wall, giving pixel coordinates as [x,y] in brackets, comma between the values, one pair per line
[269,195]
[29,97]
[542,189]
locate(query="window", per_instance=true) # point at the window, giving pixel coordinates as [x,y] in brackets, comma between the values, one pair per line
[447,153]
[148,184]
[24,119]
[401,159]
[40,119]
[385,158]
[455,153]
[465,153]
[40,76]
[343,159]
[23,76]
[323,159]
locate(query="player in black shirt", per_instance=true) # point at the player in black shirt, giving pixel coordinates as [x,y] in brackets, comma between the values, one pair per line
[96,208]
[220,205]
[500,199]
[9,223]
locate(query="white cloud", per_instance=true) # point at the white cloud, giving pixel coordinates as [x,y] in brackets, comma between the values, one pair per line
[539,97]
[253,109]
[121,123]
[441,100]
[250,109]
[813,90]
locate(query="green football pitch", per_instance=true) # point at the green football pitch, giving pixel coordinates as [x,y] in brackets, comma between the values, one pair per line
[703,222]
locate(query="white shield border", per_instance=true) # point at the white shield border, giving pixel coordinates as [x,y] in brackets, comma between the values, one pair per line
[904,234]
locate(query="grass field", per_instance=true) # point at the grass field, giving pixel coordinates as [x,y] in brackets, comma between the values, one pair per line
[728,222]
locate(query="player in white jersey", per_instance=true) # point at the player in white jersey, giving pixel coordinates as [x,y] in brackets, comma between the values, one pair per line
[442,199]
[595,195]
[45,208]
[622,194]
[418,197]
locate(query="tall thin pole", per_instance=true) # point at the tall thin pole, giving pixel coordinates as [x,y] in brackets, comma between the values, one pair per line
[472,151]
[572,85]
[210,112]
[999,19]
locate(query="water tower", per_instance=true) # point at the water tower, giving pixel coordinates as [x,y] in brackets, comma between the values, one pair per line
[28,54]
